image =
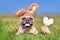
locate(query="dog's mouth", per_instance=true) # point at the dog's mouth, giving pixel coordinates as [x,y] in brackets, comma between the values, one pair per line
[27,22]
[27,25]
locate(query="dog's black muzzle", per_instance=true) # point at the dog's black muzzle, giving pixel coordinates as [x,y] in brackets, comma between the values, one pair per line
[27,22]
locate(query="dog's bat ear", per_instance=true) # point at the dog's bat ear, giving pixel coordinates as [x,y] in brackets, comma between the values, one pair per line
[21,12]
[33,8]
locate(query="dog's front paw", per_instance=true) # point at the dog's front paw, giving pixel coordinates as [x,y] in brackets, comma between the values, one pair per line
[35,32]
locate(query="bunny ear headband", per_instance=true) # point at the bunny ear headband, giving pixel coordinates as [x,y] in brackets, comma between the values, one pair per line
[32,9]
[47,21]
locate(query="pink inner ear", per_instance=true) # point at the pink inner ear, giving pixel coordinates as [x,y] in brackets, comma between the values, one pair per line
[34,8]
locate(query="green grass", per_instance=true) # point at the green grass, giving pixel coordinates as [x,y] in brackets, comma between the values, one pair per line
[9,26]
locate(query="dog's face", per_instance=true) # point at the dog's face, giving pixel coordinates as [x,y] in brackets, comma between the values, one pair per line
[27,18]
[27,21]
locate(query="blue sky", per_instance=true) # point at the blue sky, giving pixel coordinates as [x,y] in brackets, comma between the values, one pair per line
[9,6]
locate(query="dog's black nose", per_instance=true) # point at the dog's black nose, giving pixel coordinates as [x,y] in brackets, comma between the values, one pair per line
[27,21]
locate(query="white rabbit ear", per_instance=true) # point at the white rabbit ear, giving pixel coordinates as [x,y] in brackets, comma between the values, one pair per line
[50,21]
[45,20]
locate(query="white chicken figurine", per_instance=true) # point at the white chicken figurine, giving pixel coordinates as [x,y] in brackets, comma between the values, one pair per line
[47,22]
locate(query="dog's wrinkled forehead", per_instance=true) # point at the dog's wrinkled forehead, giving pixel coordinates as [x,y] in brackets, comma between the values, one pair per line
[27,17]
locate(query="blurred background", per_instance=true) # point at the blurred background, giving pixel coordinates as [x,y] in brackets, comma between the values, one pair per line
[9,22]
[46,7]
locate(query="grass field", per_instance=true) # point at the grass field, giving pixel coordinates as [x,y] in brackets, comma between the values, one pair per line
[9,26]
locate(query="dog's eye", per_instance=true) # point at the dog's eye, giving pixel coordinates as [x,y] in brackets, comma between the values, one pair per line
[31,18]
[23,18]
